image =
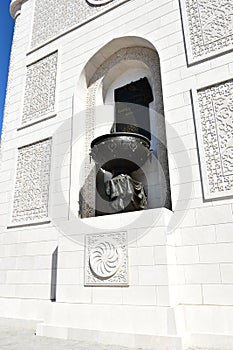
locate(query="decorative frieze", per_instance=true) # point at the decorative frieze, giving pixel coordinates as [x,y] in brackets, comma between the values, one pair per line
[54,17]
[32,183]
[39,98]
[209,27]
[106,259]
[215,136]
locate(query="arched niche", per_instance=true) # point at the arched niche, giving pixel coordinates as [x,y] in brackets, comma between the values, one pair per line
[118,63]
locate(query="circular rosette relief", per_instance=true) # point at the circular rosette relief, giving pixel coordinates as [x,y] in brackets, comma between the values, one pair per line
[98,2]
[105,260]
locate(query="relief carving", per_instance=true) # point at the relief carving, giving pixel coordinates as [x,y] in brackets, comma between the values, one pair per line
[216,122]
[54,17]
[39,98]
[210,26]
[106,259]
[32,182]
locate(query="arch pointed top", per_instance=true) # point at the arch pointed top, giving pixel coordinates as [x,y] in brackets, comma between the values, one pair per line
[113,46]
[15,7]
[118,43]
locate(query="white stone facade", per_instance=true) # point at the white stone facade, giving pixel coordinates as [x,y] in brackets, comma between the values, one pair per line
[166,281]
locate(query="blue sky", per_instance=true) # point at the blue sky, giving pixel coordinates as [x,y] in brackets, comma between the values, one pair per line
[6,31]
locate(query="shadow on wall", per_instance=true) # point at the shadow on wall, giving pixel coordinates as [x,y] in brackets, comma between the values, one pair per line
[53,285]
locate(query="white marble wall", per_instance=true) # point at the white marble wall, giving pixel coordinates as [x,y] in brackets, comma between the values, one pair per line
[181,267]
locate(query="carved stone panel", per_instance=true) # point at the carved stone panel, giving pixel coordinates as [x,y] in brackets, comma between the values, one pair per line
[39,98]
[214,122]
[32,183]
[208,26]
[54,17]
[106,259]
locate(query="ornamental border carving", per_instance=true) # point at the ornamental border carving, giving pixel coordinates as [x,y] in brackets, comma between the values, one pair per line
[207,29]
[213,114]
[54,19]
[32,178]
[40,90]
[106,259]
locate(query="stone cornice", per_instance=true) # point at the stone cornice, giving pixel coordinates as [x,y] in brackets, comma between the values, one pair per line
[15,7]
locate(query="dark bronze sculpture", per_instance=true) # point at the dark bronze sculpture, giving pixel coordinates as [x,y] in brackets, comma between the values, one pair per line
[125,149]
[121,154]
[124,192]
